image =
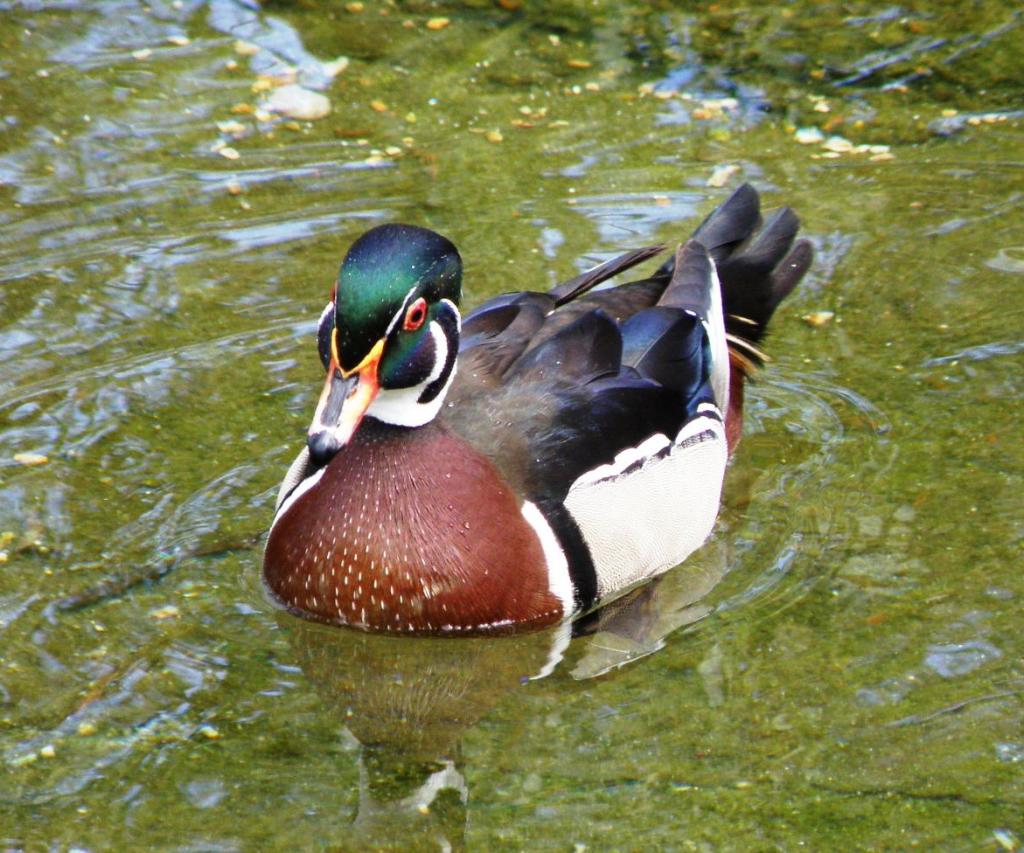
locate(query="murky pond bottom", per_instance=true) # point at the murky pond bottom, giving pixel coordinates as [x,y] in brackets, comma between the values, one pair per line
[839,666]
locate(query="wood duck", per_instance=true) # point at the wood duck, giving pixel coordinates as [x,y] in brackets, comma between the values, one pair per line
[540,457]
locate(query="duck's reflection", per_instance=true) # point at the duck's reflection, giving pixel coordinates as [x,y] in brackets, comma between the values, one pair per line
[410,701]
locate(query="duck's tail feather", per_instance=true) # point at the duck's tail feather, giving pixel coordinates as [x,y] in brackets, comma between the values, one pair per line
[757,275]
[758,265]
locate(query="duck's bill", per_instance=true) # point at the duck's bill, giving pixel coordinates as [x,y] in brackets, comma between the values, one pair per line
[343,403]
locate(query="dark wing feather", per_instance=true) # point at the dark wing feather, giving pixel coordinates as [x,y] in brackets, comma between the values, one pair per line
[588,348]
[493,337]
[591,426]
[690,287]
[576,400]
[577,286]
[668,346]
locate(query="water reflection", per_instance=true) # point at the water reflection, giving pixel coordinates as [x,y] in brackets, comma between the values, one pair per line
[409,702]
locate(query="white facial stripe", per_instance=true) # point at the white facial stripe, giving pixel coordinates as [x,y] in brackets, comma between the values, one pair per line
[400,313]
[440,351]
[455,311]
[328,309]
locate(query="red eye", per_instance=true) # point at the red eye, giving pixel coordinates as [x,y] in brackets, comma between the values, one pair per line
[415,316]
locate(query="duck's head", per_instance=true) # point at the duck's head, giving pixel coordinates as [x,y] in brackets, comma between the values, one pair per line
[389,336]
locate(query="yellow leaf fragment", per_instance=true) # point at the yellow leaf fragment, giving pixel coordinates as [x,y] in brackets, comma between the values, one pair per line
[721,175]
[29,458]
[818,318]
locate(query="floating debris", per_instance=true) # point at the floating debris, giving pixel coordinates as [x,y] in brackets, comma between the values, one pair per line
[818,318]
[721,175]
[168,611]
[1006,839]
[179,41]
[834,146]
[232,128]
[809,136]
[229,153]
[378,106]
[142,54]
[29,459]
[246,48]
[297,102]
[24,760]
[493,136]
[333,69]
[952,123]
[838,145]
[437,23]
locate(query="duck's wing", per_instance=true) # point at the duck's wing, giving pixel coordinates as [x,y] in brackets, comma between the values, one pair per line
[501,330]
[567,391]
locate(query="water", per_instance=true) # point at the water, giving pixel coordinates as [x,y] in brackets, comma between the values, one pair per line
[840,667]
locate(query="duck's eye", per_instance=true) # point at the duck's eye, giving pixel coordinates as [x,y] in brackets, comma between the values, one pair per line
[415,316]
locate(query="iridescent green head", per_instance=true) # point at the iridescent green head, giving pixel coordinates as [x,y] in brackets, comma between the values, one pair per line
[389,338]
[385,272]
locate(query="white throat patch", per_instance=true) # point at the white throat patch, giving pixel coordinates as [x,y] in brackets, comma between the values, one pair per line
[401,406]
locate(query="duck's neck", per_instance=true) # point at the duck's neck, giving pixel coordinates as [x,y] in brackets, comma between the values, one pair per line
[411,531]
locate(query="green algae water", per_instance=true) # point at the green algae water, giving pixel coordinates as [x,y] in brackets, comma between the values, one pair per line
[839,668]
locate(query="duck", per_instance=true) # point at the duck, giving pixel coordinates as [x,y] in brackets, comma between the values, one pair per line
[519,467]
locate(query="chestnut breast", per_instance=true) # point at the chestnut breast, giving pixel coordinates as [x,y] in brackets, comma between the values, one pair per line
[411,531]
